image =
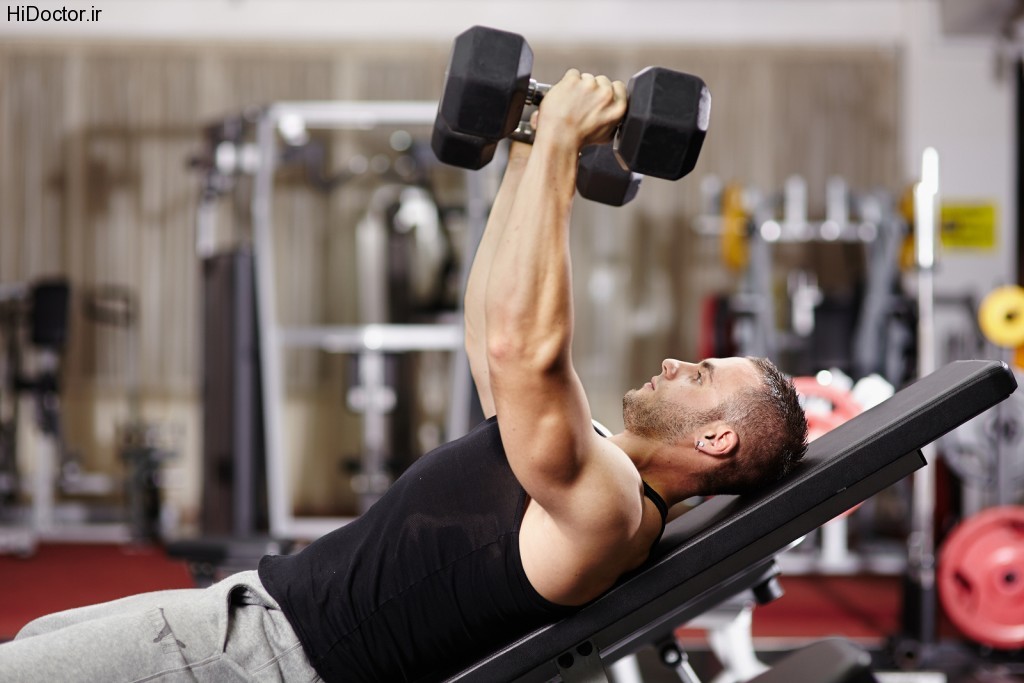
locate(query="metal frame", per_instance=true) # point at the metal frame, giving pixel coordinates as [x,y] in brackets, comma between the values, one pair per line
[921,541]
[370,340]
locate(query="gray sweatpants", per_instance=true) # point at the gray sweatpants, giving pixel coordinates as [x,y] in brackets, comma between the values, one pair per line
[231,631]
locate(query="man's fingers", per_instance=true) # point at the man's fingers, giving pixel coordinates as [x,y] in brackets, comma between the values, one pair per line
[619,88]
[592,103]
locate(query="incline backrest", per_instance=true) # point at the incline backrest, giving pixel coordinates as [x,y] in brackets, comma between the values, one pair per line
[728,533]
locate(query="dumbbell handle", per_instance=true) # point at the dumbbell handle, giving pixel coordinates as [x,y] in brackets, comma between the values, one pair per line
[524,132]
[536,91]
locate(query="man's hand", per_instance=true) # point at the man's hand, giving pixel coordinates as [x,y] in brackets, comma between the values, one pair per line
[581,109]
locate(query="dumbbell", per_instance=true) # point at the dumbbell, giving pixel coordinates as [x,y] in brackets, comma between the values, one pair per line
[488,84]
[600,177]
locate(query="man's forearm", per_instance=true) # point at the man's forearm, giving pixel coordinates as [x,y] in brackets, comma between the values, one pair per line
[529,318]
[528,297]
[476,284]
[529,288]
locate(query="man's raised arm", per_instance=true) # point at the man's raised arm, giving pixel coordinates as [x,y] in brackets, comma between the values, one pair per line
[542,411]
[476,285]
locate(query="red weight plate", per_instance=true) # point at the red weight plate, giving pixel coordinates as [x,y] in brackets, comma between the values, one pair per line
[981,577]
[841,407]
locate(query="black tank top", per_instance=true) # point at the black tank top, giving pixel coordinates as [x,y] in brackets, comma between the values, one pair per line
[426,581]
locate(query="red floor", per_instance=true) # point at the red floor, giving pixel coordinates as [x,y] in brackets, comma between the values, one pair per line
[862,607]
[63,576]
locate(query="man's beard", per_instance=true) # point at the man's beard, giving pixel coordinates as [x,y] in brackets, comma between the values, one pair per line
[644,416]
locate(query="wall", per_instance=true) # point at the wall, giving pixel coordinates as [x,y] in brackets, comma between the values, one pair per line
[950,98]
[953,99]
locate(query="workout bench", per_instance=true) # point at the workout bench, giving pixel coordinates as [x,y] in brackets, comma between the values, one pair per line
[728,544]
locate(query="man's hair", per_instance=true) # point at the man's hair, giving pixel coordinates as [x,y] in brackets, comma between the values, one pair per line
[772,430]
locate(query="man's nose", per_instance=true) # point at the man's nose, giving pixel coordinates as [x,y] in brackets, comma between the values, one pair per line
[670,366]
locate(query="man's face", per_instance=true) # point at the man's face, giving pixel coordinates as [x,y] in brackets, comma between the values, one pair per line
[677,403]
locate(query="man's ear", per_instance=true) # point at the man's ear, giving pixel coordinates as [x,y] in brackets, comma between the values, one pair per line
[719,440]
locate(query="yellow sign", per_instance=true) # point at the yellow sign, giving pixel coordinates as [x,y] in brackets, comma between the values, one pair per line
[968,225]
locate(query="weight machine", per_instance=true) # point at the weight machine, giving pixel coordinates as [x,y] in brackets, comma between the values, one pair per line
[873,338]
[20,305]
[34,322]
[257,146]
[978,571]
[760,224]
[370,342]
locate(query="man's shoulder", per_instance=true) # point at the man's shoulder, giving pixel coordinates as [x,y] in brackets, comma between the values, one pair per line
[574,556]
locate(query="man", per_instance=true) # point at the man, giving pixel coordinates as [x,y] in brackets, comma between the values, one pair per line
[526,518]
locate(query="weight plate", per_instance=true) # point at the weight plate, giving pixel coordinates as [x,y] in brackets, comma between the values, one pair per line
[826,406]
[1001,316]
[981,577]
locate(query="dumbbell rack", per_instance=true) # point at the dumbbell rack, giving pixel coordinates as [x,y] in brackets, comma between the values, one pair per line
[782,218]
[370,342]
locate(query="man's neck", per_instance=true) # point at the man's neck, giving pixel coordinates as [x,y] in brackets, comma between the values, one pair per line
[662,466]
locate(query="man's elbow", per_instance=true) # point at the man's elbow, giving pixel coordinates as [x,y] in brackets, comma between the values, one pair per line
[510,354]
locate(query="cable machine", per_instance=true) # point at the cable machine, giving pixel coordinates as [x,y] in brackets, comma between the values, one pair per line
[257,146]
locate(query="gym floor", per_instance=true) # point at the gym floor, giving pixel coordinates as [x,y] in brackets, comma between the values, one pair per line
[864,609]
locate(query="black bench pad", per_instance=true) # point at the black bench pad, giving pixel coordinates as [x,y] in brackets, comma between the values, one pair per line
[728,543]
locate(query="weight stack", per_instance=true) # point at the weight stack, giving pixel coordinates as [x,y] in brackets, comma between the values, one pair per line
[234,473]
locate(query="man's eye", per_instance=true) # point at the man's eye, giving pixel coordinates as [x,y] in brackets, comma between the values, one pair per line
[698,377]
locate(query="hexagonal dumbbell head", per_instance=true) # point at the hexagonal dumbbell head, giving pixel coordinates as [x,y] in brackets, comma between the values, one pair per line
[486,83]
[665,126]
[457,149]
[601,178]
